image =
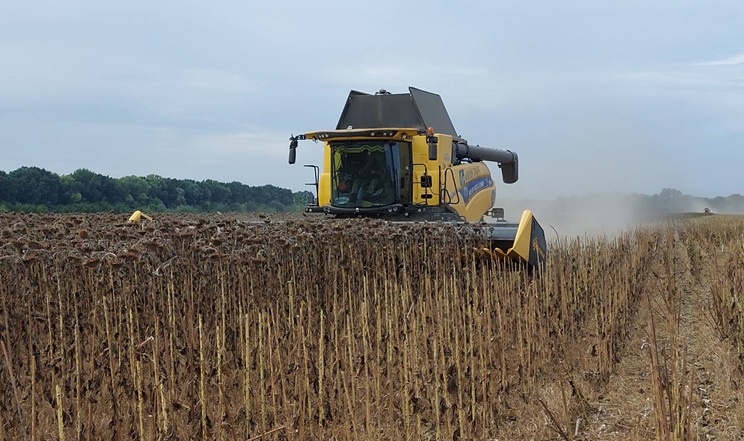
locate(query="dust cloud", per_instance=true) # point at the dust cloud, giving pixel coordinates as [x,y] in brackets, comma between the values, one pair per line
[591,215]
[612,213]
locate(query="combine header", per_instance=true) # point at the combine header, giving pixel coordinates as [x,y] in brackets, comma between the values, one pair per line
[398,156]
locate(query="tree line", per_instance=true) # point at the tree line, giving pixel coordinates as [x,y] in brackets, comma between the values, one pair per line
[671,200]
[33,189]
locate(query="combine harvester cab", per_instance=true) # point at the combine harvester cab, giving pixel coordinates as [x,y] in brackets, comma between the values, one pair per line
[398,156]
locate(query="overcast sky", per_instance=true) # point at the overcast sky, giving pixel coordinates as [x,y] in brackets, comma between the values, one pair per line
[594,96]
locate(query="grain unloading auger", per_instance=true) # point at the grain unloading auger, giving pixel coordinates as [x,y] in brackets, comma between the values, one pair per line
[398,156]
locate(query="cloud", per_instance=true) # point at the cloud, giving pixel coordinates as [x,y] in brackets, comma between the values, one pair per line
[688,81]
[716,76]
[259,144]
[734,60]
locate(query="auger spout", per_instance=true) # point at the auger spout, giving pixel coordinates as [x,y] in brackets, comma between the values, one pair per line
[507,160]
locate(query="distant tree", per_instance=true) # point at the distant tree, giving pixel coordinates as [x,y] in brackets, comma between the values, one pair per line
[733,204]
[33,185]
[180,197]
[4,187]
[281,195]
[192,192]
[157,189]
[219,192]
[135,190]
[303,198]
[94,187]
[239,193]
[670,193]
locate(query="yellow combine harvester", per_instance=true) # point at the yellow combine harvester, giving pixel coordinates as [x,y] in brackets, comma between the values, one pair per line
[398,156]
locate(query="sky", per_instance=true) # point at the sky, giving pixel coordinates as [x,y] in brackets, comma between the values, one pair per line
[594,96]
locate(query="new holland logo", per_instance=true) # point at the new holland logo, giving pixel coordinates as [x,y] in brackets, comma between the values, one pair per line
[462,178]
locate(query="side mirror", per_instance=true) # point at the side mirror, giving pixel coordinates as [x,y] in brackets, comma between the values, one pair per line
[292,150]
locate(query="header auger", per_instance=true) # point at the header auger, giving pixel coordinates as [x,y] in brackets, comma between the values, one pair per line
[398,156]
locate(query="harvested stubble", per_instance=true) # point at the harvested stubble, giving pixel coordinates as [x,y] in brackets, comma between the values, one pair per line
[716,250]
[216,328]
